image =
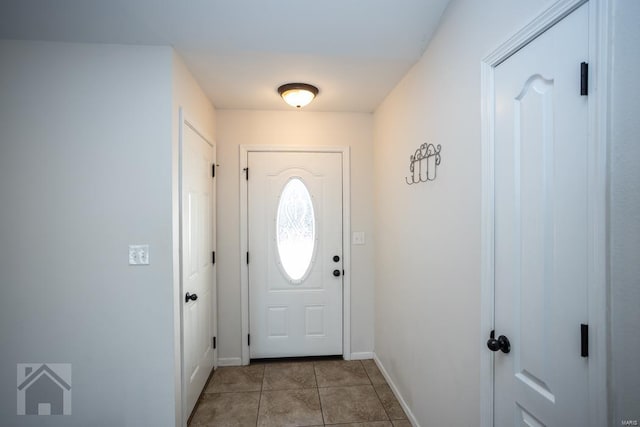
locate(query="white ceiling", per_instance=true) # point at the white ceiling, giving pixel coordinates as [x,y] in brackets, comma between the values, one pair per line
[240,51]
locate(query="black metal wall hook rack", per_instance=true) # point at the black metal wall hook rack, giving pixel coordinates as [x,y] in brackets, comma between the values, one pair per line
[423,164]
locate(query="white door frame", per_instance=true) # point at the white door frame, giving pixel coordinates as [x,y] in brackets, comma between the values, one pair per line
[599,64]
[185,120]
[346,241]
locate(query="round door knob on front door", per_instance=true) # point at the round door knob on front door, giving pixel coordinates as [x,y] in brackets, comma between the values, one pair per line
[502,343]
[190,297]
[336,273]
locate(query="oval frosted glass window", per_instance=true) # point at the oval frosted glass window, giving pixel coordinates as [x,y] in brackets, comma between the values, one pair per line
[295,229]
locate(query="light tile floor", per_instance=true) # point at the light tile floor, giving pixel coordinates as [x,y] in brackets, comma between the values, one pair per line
[299,393]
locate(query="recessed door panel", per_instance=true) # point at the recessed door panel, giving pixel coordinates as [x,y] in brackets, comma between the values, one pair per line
[314,321]
[277,322]
[533,139]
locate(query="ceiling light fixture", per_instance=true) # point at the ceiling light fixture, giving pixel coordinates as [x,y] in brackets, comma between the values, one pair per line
[298,94]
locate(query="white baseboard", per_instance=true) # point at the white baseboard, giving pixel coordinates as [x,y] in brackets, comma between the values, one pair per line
[229,361]
[403,403]
[362,355]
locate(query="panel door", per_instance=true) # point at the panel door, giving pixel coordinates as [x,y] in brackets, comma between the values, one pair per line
[198,275]
[541,191]
[295,253]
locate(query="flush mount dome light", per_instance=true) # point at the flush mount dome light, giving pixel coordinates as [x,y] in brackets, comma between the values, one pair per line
[297,94]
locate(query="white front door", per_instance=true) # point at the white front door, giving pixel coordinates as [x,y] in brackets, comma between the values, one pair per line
[198,276]
[295,254]
[541,226]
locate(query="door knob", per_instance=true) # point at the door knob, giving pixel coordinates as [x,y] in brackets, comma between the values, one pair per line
[336,258]
[191,297]
[336,273]
[502,343]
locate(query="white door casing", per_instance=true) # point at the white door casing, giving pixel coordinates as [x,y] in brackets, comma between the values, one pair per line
[197,267]
[295,299]
[541,148]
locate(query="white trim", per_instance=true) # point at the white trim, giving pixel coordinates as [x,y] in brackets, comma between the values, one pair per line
[396,392]
[244,268]
[362,355]
[183,417]
[346,255]
[599,63]
[547,19]
[346,240]
[600,14]
[229,361]
[486,246]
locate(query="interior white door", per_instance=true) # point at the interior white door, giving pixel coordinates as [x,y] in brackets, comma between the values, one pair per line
[541,219]
[198,275]
[295,254]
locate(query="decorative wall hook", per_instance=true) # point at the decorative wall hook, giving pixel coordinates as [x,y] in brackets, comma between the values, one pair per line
[423,164]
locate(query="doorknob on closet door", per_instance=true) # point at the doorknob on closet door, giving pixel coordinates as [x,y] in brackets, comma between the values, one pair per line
[336,273]
[190,297]
[502,343]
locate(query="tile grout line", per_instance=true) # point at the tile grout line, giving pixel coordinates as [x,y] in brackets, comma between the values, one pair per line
[366,372]
[315,377]
[375,390]
[264,369]
[383,407]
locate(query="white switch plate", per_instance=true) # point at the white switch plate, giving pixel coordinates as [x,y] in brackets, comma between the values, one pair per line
[358,238]
[138,254]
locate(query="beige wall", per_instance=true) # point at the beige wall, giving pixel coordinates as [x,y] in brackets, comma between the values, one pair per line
[288,128]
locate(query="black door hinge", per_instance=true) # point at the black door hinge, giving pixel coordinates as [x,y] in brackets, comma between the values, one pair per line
[249,339]
[247,257]
[214,343]
[213,257]
[213,170]
[584,79]
[246,173]
[584,340]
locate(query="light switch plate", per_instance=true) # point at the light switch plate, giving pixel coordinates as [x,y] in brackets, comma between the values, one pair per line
[138,254]
[358,238]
